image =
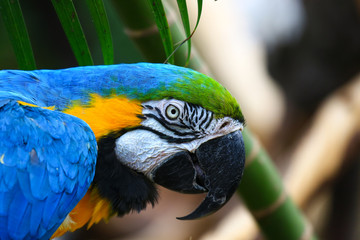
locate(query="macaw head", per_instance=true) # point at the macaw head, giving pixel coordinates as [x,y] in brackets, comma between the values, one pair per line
[179,129]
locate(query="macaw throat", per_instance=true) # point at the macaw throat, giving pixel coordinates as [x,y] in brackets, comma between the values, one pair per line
[126,189]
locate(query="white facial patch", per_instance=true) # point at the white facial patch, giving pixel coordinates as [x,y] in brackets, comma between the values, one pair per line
[142,150]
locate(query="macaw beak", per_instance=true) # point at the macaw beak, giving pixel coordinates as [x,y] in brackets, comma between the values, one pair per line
[216,167]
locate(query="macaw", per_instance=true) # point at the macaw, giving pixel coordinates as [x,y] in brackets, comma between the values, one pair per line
[82,144]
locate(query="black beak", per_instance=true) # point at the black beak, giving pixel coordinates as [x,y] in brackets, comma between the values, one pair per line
[216,167]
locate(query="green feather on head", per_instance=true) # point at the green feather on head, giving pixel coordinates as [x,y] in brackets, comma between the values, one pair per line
[169,81]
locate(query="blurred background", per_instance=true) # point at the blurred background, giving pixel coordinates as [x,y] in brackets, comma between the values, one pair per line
[293,65]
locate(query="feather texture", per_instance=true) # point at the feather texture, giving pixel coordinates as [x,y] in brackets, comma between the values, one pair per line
[39,182]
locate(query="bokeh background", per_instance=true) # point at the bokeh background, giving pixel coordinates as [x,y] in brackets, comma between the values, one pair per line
[293,66]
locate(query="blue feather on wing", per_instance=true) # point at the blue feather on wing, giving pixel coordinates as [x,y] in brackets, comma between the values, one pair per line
[39,180]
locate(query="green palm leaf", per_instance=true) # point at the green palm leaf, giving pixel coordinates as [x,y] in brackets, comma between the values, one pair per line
[163,26]
[14,22]
[99,17]
[70,22]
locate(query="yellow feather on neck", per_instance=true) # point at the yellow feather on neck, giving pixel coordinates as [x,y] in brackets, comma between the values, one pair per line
[105,115]
[91,209]
[32,105]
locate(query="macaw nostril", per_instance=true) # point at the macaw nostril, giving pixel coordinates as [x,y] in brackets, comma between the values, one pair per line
[225,124]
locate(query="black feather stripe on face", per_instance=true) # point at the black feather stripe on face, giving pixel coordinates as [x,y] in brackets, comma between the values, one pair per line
[126,189]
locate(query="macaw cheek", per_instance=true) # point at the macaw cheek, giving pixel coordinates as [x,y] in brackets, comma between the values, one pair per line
[216,167]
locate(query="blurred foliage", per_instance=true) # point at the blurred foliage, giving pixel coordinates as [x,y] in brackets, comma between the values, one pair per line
[12,16]
[325,57]
[50,45]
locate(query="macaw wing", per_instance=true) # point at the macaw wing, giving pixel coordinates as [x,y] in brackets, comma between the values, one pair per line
[47,162]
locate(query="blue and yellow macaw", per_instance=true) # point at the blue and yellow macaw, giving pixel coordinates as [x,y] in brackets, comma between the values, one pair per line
[82,144]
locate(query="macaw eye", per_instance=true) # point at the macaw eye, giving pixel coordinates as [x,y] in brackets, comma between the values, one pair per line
[172,112]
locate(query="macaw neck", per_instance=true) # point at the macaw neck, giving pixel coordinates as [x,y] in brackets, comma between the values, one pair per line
[107,115]
[124,188]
